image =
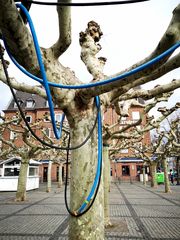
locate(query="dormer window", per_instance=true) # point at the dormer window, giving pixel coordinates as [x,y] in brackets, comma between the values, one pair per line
[30,103]
[47,103]
[15,104]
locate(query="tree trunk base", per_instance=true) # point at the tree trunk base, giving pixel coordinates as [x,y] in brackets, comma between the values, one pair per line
[108,224]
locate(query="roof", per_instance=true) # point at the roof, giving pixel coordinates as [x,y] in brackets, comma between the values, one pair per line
[31,162]
[128,159]
[23,97]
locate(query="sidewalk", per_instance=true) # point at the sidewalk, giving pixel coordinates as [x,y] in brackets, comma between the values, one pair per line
[136,212]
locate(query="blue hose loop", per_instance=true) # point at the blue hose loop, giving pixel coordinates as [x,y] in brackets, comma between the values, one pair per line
[58,134]
[57,131]
[47,84]
[103,82]
[99,164]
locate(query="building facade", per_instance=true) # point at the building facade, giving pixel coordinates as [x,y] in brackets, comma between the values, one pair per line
[125,165]
[36,109]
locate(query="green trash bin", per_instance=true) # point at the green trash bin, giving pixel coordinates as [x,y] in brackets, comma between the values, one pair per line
[160,177]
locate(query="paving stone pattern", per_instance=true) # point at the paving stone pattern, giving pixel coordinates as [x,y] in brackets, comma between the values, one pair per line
[136,212]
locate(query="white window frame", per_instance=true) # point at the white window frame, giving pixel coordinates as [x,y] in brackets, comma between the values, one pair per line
[47,133]
[47,103]
[124,150]
[136,115]
[139,145]
[28,105]
[12,135]
[58,117]
[15,104]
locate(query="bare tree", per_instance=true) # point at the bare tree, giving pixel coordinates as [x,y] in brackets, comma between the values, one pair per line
[78,105]
[26,149]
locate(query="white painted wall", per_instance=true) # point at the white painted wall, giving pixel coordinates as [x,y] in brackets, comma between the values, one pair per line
[10,183]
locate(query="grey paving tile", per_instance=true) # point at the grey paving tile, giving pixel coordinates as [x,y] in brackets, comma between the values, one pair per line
[25,237]
[157,211]
[50,209]
[6,209]
[160,228]
[31,224]
[119,210]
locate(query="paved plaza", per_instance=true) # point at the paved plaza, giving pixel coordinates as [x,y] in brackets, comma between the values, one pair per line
[137,212]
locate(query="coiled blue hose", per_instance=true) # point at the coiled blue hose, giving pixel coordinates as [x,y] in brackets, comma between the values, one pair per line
[47,84]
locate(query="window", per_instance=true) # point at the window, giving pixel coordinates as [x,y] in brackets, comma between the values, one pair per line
[15,118]
[28,135]
[123,118]
[47,132]
[29,118]
[47,104]
[135,115]
[20,103]
[138,127]
[125,170]
[125,150]
[58,117]
[33,171]
[46,117]
[139,169]
[30,103]
[11,171]
[138,147]
[12,135]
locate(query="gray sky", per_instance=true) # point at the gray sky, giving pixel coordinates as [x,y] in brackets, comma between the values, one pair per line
[131,32]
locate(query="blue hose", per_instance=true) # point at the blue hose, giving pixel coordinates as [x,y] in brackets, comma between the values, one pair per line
[47,84]
[103,82]
[99,164]
[88,85]
[58,134]
[57,131]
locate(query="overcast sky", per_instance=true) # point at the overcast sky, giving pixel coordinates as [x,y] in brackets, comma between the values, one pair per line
[130,33]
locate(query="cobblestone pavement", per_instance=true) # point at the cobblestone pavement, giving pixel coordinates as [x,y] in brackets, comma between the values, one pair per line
[137,212]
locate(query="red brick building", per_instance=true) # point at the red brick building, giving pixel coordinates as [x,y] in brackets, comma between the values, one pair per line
[36,108]
[124,164]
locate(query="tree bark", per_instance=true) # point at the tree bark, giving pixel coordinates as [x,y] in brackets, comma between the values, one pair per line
[84,162]
[106,179]
[49,177]
[166,178]
[21,189]
[153,174]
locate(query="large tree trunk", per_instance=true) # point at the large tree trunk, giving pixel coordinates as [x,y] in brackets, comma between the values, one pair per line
[106,179]
[21,189]
[60,176]
[49,177]
[153,174]
[89,226]
[166,178]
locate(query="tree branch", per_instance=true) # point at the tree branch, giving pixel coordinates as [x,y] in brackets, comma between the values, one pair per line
[64,41]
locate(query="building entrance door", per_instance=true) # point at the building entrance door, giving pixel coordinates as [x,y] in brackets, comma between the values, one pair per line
[45,174]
